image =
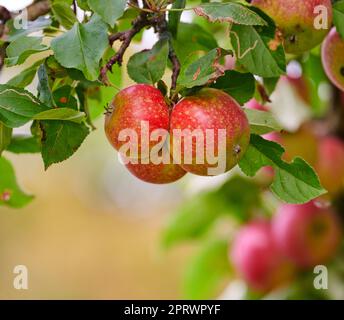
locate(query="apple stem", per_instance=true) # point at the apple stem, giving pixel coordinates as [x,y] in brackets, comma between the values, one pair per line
[126,37]
[145,19]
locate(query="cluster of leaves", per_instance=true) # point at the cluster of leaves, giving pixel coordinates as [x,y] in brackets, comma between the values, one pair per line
[69,74]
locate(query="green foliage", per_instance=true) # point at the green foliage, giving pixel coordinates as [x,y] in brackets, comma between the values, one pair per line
[60,140]
[109,10]
[24,144]
[315,78]
[240,86]
[44,91]
[203,71]
[258,50]
[149,66]
[236,198]
[230,12]
[82,47]
[22,48]
[64,14]
[10,193]
[191,39]
[294,182]
[174,16]
[24,78]
[262,122]
[208,271]
[71,93]
[5,137]
[31,27]
[338,16]
[18,106]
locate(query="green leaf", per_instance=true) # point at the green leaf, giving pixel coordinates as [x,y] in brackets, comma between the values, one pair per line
[202,71]
[208,272]
[24,144]
[64,114]
[174,16]
[83,4]
[20,49]
[18,106]
[229,12]
[270,84]
[44,92]
[30,27]
[236,198]
[315,78]
[64,14]
[63,98]
[60,140]
[10,193]
[241,86]
[258,50]
[338,17]
[24,78]
[149,66]
[262,122]
[109,10]
[82,47]
[294,182]
[192,38]
[5,137]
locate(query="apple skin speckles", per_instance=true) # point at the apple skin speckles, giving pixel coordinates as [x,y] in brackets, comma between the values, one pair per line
[130,107]
[211,109]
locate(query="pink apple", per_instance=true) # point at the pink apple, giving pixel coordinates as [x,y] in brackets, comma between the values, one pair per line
[307,234]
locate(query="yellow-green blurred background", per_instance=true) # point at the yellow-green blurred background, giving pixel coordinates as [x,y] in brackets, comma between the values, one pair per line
[92,231]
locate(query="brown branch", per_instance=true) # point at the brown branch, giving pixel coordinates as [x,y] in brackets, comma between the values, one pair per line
[126,37]
[5,15]
[75,7]
[38,9]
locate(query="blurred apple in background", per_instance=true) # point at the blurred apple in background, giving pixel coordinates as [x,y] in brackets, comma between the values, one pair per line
[257,259]
[303,143]
[307,234]
[330,165]
[255,105]
[333,58]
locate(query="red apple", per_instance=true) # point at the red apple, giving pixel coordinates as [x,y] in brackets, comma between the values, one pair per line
[296,19]
[330,164]
[220,127]
[154,173]
[256,258]
[307,234]
[135,109]
[333,58]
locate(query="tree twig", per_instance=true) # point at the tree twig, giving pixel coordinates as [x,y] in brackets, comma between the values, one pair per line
[75,7]
[38,9]
[126,37]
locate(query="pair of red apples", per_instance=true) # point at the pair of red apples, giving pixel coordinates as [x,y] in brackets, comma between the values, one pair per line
[142,126]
